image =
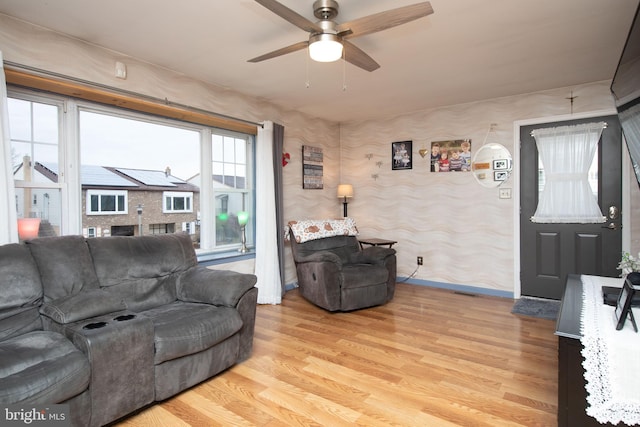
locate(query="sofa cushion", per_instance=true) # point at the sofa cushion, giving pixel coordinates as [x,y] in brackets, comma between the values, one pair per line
[65,265]
[83,305]
[186,328]
[126,259]
[41,367]
[20,291]
[342,246]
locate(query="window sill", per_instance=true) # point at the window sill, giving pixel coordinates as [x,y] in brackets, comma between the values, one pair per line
[215,258]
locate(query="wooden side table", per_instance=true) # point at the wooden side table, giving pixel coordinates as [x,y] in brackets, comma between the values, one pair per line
[376,242]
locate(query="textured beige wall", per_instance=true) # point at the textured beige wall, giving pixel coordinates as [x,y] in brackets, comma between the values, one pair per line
[463,231]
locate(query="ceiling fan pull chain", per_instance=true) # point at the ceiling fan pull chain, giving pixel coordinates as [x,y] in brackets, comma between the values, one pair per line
[308,82]
[344,71]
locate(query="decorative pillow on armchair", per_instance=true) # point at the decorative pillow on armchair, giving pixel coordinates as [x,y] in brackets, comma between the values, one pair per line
[312,229]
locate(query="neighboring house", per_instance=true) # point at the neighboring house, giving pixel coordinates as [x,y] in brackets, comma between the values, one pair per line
[121,201]
[42,203]
[230,197]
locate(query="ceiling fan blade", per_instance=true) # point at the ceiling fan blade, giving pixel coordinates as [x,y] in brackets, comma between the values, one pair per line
[289,15]
[357,57]
[280,52]
[383,20]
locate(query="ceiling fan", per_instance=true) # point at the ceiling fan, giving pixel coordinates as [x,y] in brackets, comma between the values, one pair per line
[328,39]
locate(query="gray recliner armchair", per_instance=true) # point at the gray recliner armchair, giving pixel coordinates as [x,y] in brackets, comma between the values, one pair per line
[336,274]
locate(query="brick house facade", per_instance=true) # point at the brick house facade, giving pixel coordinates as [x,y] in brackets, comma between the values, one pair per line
[111,197]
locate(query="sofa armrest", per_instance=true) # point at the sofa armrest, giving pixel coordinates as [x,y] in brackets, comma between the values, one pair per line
[216,287]
[82,305]
[371,255]
[320,256]
[247,309]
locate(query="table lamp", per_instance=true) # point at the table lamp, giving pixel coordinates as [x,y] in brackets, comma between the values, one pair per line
[345,191]
[243,218]
[28,228]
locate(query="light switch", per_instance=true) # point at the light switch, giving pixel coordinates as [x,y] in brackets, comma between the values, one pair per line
[505,193]
[121,70]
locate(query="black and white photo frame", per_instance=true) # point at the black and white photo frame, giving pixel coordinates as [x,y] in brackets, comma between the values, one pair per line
[623,306]
[501,164]
[401,155]
[500,175]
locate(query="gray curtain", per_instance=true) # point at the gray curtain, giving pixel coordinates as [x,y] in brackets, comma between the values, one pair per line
[278,149]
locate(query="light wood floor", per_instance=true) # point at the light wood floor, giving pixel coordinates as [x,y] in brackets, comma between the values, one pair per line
[430,357]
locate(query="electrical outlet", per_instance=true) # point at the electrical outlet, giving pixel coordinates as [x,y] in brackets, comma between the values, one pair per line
[419,260]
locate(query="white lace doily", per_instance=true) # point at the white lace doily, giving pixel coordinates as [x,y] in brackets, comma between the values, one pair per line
[611,358]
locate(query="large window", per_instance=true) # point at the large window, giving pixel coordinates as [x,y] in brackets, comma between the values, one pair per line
[138,174]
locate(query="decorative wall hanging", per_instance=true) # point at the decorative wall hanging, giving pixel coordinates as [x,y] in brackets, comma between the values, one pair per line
[285,159]
[312,167]
[401,155]
[451,156]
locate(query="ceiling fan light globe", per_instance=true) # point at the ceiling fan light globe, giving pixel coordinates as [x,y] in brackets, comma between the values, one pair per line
[325,48]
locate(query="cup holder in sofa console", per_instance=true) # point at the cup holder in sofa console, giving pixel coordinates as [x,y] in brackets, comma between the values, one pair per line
[124,317]
[95,325]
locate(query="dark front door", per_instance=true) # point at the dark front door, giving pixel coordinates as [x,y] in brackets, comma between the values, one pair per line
[548,252]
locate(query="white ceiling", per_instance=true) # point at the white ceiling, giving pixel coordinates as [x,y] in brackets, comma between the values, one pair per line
[466,51]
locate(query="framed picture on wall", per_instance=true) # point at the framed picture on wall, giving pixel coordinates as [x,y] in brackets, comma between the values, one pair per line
[312,169]
[451,156]
[501,164]
[401,155]
[500,175]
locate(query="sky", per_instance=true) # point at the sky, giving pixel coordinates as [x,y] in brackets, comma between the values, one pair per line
[107,140]
[113,141]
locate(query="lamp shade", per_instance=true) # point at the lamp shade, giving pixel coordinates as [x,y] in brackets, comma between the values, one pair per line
[243,218]
[28,228]
[325,48]
[345,191]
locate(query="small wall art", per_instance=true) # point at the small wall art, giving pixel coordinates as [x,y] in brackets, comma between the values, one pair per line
[401,155]
[312,167]
[451,156]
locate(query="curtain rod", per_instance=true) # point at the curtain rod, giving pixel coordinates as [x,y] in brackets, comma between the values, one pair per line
[604,126]
[165,101]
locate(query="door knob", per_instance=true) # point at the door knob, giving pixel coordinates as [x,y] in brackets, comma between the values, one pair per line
[611,226]
[613,212]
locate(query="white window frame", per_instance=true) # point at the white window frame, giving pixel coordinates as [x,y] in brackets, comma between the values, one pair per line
[69,183]
[248,192]
[63,179]
[100,193]
[187,195]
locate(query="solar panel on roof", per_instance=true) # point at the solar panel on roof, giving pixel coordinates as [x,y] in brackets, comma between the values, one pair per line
[95,175]
[99,176]
[147,177]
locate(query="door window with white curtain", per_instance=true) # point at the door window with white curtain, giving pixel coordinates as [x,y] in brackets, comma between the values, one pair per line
[567,154]
[138,174]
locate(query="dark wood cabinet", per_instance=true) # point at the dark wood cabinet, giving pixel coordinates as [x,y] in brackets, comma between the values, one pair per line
[572,395]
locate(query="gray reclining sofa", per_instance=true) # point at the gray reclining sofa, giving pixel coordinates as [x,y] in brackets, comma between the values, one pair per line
[110,325]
